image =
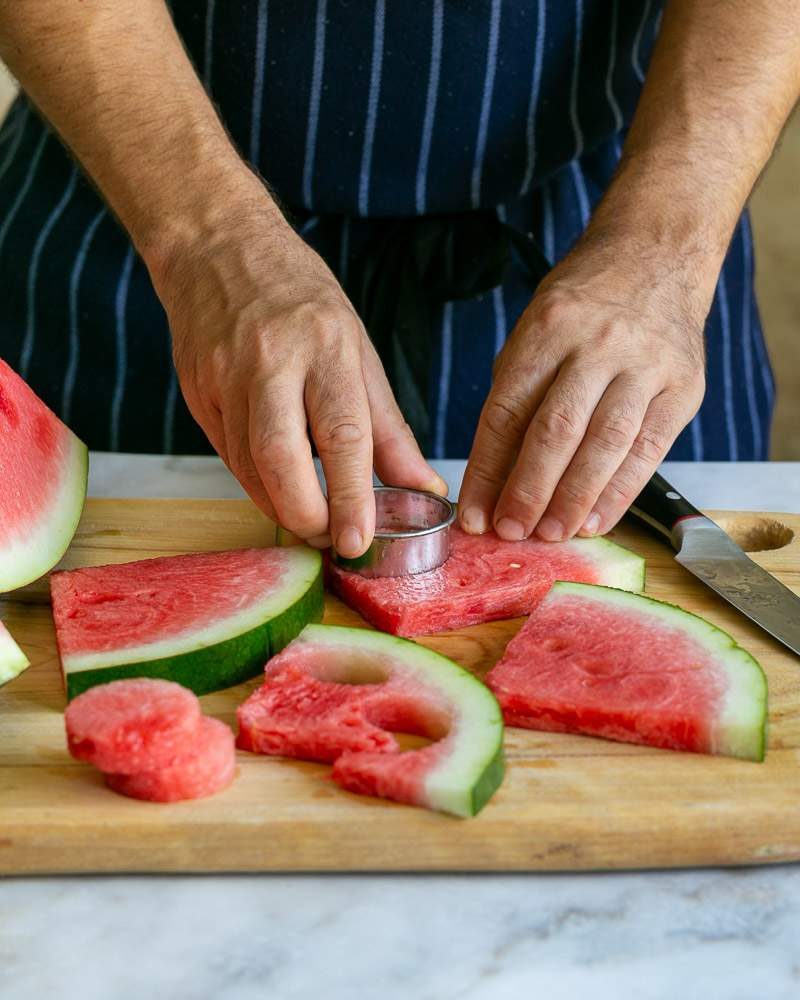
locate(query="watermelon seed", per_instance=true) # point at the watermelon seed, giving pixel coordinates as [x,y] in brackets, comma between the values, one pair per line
[515,565]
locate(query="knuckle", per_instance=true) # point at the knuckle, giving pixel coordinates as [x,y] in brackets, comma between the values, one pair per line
[277,449]
[574,494]
[651,445]
[525,494]
[553,309]
[614,433]
[554,425]
[341,434]
[505,416]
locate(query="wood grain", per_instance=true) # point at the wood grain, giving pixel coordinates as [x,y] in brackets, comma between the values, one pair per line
[567,802]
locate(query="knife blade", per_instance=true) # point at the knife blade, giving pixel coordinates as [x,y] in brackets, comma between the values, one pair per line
[708,552]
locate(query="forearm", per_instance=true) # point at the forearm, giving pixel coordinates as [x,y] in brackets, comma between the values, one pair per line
[113,79]
[724,77]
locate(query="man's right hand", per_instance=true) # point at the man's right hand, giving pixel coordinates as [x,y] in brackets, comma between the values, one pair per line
[270,354]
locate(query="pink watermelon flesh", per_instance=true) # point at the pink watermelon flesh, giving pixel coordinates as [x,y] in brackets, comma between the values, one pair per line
[206,767]
[43,469]
[337,695]
[624,667]
[484,579]
[133,725]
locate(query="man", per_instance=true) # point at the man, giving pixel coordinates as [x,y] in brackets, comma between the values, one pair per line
[416,146]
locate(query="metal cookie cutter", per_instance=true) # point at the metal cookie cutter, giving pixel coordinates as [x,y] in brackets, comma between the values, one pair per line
[412,534]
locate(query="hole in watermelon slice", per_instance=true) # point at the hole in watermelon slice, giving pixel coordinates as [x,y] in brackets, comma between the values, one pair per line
[350,667]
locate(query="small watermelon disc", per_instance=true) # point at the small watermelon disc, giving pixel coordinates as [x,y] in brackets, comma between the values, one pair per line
[43,469]
[485,578]
[622,666]
[12,660]
[208,620]
[339,694]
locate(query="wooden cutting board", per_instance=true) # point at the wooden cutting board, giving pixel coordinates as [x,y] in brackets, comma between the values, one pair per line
[567,802]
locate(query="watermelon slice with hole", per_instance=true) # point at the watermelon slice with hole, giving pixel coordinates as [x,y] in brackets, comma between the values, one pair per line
[12,660]
[484,579]
[43,471]
[207,620]
[622,666]
[339,694]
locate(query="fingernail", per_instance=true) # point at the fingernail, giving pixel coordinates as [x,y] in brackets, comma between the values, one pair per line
[473,521]
[349,542]
[437,485]
[591,524]
[510,530]
[550,529]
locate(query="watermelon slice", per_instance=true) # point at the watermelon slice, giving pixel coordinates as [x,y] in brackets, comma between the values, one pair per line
[12,660]
[484,579]
[205,768]
[208,620]
[43,469]
[337,695]
[625,667]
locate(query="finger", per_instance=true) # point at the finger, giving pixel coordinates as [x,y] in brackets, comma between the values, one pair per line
[282,456]
[664,420]
[238,457]
[338,412]
[397,458]
[554,434]
[609,437]
[505,417]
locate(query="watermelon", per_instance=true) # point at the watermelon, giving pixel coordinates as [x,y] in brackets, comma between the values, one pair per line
[625,667]
[207,620]
[132,725]
[43,469]
[204,768]
[338,694]
[484,579]
[12,660]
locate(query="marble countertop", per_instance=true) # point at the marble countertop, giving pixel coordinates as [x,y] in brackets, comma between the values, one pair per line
[711,934]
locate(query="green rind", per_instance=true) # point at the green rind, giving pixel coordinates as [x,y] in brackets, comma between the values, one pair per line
[70,507]
[447,677]
[222,664]
[622,568]
[746,740]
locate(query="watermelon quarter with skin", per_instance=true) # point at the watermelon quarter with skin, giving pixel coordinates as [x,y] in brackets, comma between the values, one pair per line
[485,578]
[43,471]
[626,667]
[339,694]
[12,660]
[207,620]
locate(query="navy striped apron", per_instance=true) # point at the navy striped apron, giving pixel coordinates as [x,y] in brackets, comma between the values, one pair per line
[357,112]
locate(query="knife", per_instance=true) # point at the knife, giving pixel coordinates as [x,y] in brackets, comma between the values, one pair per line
[713,557]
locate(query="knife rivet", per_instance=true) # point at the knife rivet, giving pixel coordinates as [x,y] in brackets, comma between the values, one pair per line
[672,495]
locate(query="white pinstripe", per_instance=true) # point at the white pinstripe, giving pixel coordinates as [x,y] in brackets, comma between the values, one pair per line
[71,371]
[636,55]
[696,429]
[538,58]
[120,308]
[486,102]
[168,442]
[314,101]
[258,82]
[33,166]
[21,123]
[727,367]
[372,107]
[747,345]
[580,191]
[548,224]
[440,439]
[430,107]
[344,251]
[208,51]
[33,271]
[499,302]
[758,342]
[576,64]
[616,111]
[309,226]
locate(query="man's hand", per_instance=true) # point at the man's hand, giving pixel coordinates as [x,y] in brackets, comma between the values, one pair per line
[271,354]
[603,370]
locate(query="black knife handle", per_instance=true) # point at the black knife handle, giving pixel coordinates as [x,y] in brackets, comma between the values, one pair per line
[661,506]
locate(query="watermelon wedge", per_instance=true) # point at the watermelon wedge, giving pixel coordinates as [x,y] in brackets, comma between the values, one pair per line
[12,660]
[43,469]
[338,694]
[484,579]
[625,667]
[207,621]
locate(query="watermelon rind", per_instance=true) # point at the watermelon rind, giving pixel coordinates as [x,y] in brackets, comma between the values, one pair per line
[463,781]
[224,652]
[741,729]
[12,660]
[619,567]
[30,557]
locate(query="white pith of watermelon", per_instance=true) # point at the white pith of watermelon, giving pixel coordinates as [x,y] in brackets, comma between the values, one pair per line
[334,685]
[604,662]
[12,660]
[44,469]
[207,620]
